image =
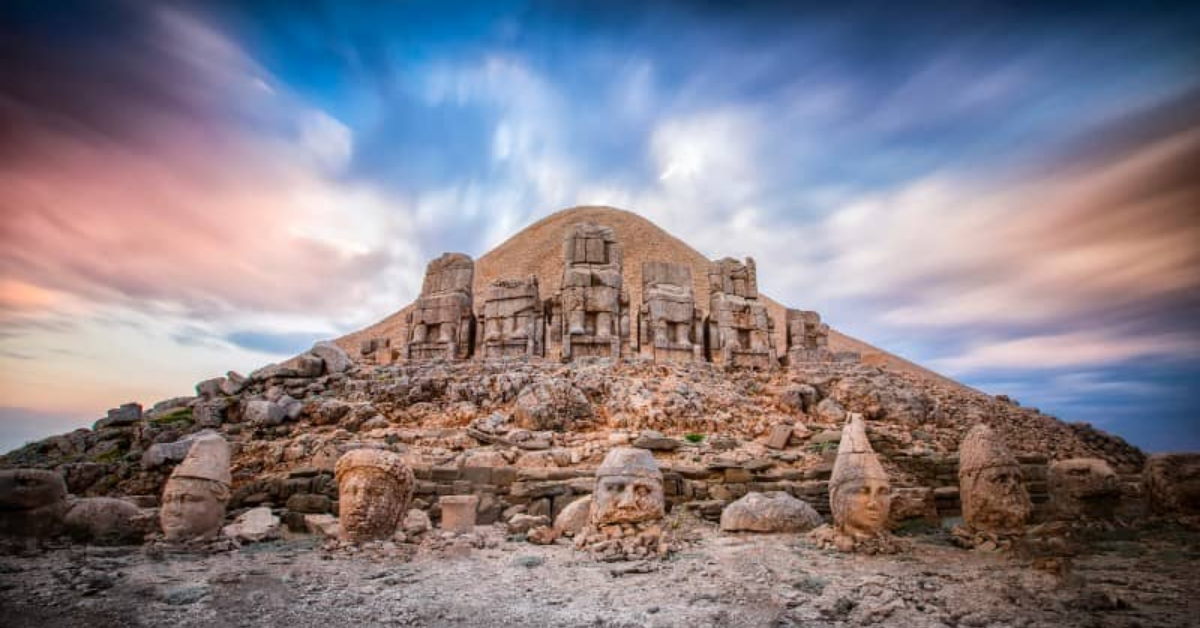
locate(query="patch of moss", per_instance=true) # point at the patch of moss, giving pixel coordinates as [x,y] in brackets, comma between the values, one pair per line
[821,448]
[111,455]
[179,415]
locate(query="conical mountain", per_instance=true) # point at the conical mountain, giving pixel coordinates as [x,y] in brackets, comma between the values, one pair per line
[537,250]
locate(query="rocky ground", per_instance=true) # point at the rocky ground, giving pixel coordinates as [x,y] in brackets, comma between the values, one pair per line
[1123,578]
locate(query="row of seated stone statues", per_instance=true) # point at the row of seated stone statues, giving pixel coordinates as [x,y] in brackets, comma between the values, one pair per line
[591,314]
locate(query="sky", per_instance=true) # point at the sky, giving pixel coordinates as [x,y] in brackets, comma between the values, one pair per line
[1008,193]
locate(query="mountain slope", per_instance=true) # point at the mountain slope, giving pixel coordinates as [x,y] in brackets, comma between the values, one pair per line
[537,250]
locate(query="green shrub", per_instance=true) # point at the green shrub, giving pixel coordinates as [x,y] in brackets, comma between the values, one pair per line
[694,438]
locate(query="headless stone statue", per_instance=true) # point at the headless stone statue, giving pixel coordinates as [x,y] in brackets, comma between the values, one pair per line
[441,323]
[739,328]
[589,314]
[625,520]
[512,320]
[669,326]
[374,490]
[807,338]
[194,499]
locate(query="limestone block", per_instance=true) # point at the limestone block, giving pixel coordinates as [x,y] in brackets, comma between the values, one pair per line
[458,512]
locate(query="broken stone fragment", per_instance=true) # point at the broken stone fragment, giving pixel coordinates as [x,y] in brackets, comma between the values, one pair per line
[263,413]
[336,360]
[253,526]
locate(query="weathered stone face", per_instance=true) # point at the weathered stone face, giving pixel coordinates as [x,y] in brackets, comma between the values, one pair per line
[374,490]
[1172,483]
[993,497]
[441,323]
[194,498]
[1083,487]
[628,488]
[590,315]
[669,327]
[738,325]
[860,495]
[512,319]
[32,502]
[192,508]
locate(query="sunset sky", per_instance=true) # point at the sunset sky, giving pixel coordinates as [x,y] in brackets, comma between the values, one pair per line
[1009,195]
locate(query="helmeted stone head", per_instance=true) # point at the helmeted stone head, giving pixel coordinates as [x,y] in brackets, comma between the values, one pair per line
[194,499]
[32,502]
[628,488]
[859,493]
[993,497]
[374,490]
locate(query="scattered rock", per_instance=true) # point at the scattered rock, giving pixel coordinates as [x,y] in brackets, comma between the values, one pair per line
[775,511]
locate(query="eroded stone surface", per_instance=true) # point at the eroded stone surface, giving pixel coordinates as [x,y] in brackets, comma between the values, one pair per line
[739,328]
[589,317]
[194,499]
[859,496]
[374,491]
[993,498]
[441,323]
[32,503]
[670,327]
[627,508]
[1083,487]
[773,511]
[511,321]
[1172,483]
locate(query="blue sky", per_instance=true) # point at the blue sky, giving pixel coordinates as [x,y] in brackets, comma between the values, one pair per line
[1000,191]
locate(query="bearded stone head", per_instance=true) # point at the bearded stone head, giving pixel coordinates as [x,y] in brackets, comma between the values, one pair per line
[628,488]
[374,491]
[32,502]
[993,496]
[194,499]
[860,495]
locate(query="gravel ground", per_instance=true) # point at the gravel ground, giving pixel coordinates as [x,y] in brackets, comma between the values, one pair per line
[1143,579]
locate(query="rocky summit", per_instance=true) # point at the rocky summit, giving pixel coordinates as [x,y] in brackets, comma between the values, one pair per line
[593,424]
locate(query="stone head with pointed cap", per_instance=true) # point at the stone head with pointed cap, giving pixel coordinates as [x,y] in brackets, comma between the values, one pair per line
[859,493]
[993,497]
[374,490]
[628,488]
[193,502]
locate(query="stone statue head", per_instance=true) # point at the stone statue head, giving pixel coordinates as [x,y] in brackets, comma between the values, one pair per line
[374,490]
[859,493]
[32,502]
[993,497]
[194,499]
[628,488]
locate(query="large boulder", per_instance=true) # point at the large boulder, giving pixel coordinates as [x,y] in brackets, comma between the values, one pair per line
[104,521]
[1172,483]
[336,360]
[159,454]
[774,511]
[261,412]
[1083,487]
[573,518]
[552,404]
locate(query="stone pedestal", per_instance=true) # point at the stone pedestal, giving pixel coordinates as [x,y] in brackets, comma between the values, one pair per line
[458,513]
